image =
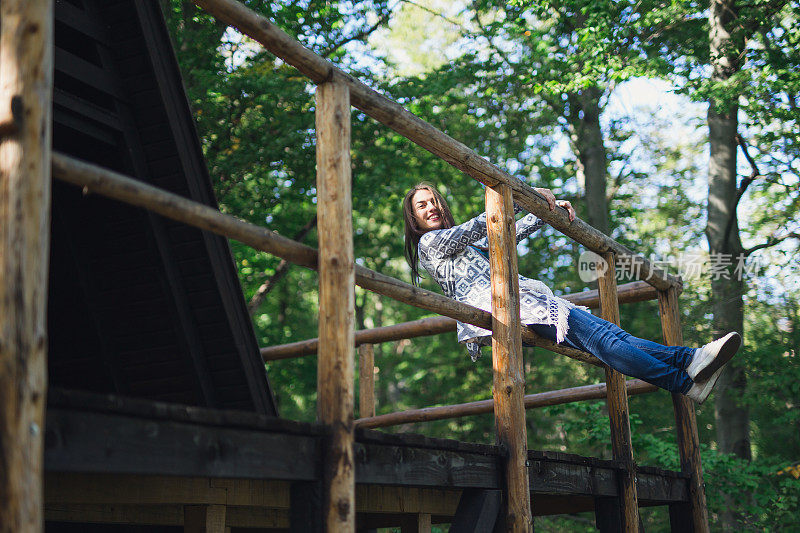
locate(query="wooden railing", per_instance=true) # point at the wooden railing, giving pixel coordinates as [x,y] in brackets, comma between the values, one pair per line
[338,273]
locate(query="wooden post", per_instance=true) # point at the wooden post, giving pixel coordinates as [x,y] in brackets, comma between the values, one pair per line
[509,383]
[617,397]
[685,419]
[335,374]
[26,84]
[366,380]
[204,518]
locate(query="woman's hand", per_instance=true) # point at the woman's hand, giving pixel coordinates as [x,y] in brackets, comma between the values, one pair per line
[548,195]
[568,206]
[552,202]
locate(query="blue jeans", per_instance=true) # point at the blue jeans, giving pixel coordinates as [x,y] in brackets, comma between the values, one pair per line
[663,366]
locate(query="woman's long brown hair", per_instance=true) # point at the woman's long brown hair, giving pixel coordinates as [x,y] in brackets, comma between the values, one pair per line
[413,233]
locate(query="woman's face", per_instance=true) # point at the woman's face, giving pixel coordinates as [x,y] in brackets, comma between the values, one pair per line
[428,215]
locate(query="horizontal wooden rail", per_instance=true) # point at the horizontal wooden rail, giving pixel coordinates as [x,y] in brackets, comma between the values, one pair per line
[636,291]
[405,123]
[542,399]
[95,179]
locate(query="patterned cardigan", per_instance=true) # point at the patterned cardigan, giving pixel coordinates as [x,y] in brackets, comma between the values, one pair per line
[450,257]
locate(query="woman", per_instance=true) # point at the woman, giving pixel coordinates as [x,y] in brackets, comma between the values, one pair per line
[454,255]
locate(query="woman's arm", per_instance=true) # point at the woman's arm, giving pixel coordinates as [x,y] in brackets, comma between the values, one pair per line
[444,242]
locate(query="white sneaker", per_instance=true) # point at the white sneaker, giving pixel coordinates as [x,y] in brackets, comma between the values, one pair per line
[701,389]
[713,356]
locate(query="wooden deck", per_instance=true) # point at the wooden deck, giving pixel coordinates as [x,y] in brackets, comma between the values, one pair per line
[110,460]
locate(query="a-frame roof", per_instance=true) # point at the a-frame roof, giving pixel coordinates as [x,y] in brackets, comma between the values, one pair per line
[139,305]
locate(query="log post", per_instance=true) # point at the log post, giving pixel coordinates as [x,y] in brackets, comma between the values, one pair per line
[26,85]
[509,383]
[685,419]
[335,374]
[366,380]
[617,397]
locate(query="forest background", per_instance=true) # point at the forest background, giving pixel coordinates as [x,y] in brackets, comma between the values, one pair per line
[671,125]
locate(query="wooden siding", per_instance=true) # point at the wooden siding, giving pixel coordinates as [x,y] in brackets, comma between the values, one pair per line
[139,305]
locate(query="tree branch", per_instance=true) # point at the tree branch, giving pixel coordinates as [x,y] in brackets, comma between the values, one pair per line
[742,187]
[280,272]
[358,36]
[772,241]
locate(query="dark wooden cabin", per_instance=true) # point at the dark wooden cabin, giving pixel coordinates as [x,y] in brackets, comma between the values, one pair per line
[139,305]
[160,414]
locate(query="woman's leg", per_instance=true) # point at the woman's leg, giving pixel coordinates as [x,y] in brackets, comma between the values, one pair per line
[677,356]
[601,339]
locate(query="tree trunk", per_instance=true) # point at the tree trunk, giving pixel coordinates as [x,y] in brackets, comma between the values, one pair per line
[587,137]
[732,419]
[722,231]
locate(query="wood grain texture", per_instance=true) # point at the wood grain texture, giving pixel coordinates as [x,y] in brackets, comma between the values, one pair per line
[95,179]
[26,86]
[509,381]
[366,380]
[335,376]
[685,418]
[396,117]
[618,406]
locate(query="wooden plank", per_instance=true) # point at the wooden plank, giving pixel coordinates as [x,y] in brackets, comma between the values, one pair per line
[366,380]
[540,399]
[403,465]
[161,515]
[618,418]
[423,134]
[477,511]
[86,109]
[143,446]
[685,418]
[204,519]
[66,118]
[387,499]
[509,382]
[26,84]
[86,72]
[115,185]
[335,376]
